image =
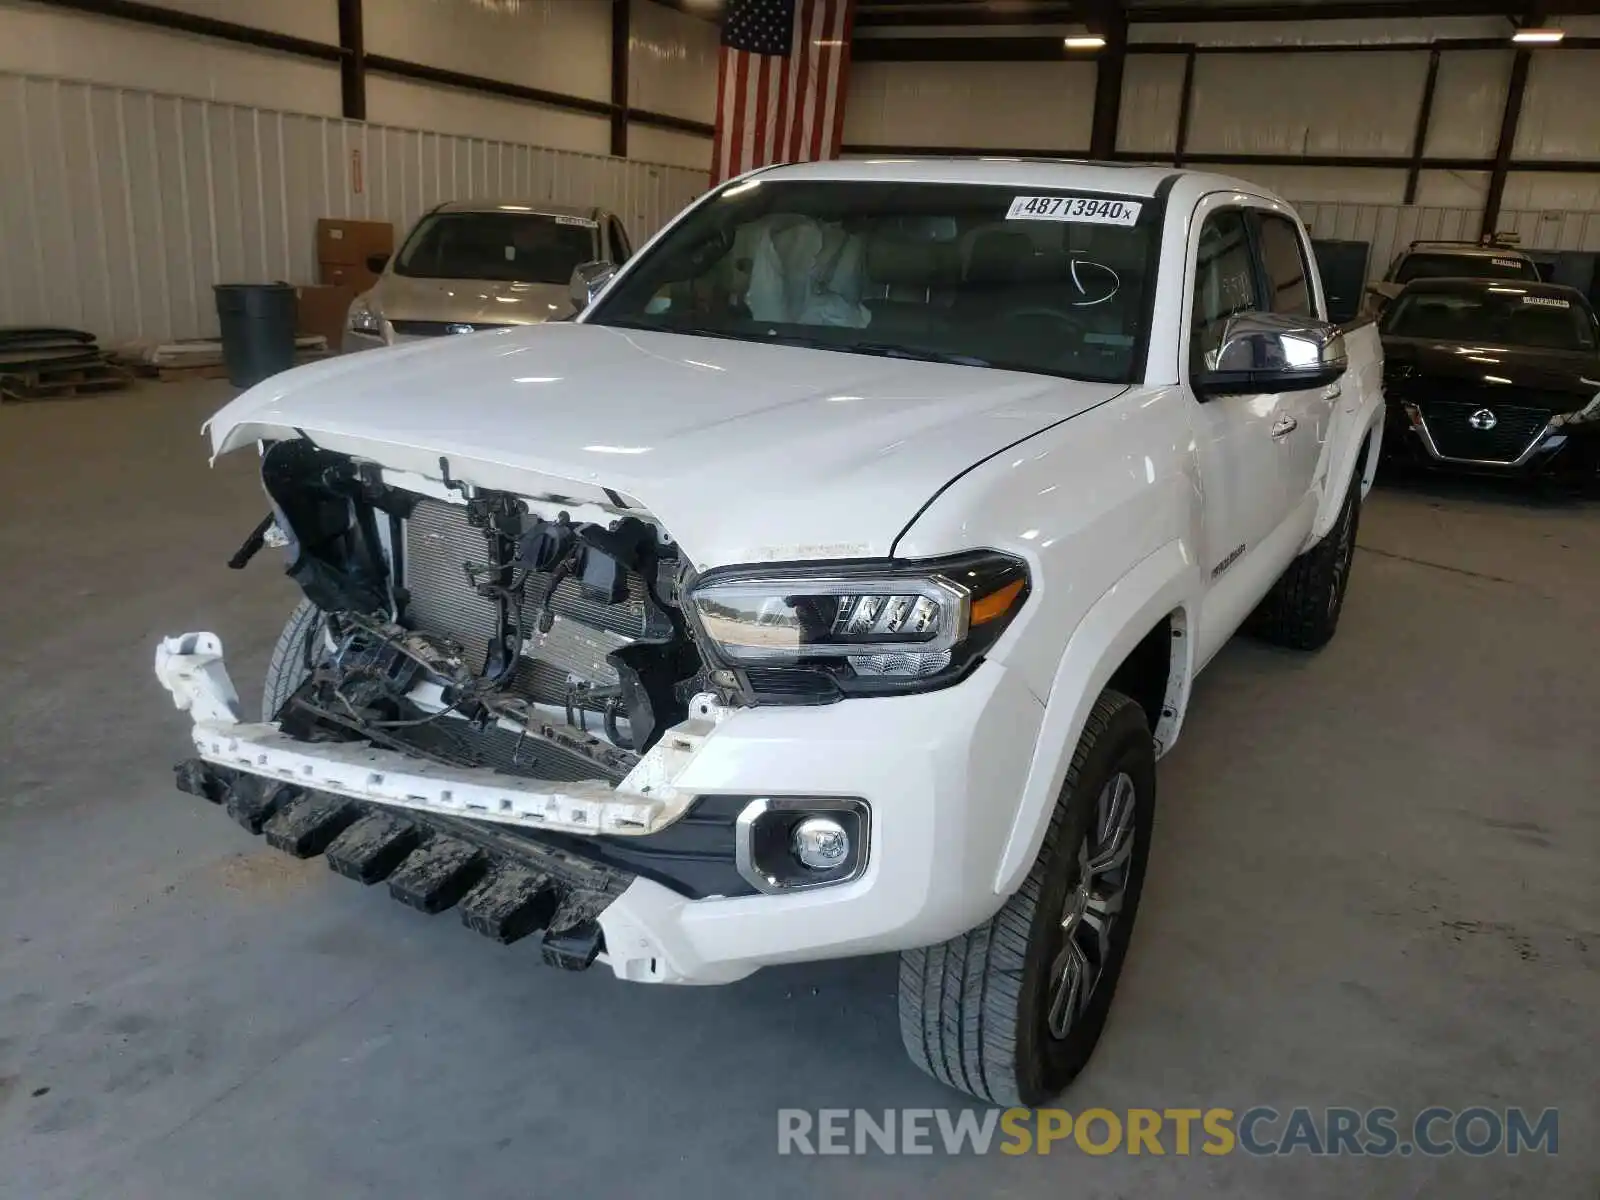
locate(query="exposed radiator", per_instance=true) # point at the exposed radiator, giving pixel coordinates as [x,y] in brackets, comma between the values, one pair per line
[438,540]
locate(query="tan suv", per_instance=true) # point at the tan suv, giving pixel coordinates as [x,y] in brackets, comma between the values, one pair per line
[470,265]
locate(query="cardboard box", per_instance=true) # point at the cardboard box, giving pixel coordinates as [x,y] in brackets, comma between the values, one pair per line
[322,310]
[343,248]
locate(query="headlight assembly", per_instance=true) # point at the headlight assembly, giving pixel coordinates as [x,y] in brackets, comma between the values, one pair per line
[816,632]
[365,318]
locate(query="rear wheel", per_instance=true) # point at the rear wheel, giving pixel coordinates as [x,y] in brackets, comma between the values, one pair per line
[1302,609]
[1011,1011]
[292,658]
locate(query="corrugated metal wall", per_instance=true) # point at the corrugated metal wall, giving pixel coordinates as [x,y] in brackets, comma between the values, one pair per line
[1389,228]
[123,207]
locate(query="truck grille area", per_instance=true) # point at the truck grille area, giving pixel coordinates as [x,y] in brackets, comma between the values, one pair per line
[438,540]
[1455,437]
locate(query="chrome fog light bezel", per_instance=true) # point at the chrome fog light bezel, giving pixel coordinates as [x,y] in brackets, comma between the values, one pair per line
[754,862]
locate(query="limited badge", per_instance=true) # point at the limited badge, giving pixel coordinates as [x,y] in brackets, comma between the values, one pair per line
[1093,210]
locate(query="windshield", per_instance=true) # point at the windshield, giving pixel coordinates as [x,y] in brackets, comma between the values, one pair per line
[1501,317]
[1015,277]
[1464,266]
[504,246]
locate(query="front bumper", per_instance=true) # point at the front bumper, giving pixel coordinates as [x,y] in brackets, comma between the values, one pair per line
[1554,449]
[942,774]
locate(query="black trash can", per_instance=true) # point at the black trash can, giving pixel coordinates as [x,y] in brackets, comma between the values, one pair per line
[257,330]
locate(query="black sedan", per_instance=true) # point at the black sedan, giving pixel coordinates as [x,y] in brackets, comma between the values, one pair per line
[1493,376]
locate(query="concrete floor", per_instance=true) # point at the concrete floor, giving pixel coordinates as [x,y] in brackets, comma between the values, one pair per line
[1374,883]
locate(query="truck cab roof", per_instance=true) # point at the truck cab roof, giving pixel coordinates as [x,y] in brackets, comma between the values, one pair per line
[1127,179]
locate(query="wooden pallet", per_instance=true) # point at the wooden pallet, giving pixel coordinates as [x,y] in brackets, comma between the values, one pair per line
[60,383]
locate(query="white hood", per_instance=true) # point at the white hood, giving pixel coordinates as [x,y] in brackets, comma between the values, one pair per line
[744,452]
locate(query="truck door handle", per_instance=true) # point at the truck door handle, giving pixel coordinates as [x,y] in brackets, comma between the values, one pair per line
[1283,427]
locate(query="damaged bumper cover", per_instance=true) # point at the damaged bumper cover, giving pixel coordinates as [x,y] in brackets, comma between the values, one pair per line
[505,888]
[191,668]
[919,763]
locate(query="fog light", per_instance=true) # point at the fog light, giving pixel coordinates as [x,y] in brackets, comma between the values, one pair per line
[821,843]
[790,843]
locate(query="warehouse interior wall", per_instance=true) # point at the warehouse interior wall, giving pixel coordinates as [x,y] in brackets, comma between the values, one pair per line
[48,41]
[462,97]
[123,206]
[562,47]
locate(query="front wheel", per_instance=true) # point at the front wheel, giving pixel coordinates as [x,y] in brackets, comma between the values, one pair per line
[1011,1011]
[292,658]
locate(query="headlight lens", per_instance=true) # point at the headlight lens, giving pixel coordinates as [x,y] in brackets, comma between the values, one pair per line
[364,318]
[1583,416]
[861,629]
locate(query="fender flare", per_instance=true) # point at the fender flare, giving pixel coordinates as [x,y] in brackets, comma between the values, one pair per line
[1165,581]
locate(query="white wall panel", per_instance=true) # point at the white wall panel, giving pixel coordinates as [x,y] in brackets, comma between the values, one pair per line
[646,143]
[1547,190]
[975,104]
[1559,118]
[1337,184]
[1469,101]
[1306,103]
[123,207]
[44,41]
[474,114]
[672,62]
[315,20]
[1388,228]
[1553,230]
[558,45]
[1452,189]
[1152,93]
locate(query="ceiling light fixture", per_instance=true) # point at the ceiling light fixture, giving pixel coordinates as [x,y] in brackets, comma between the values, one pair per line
[1086,41]
[1539,37]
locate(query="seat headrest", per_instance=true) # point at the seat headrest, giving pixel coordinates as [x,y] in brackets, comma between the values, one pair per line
[999,256]
[900,261]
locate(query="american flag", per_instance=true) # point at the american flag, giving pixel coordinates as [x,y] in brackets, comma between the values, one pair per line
[781,83]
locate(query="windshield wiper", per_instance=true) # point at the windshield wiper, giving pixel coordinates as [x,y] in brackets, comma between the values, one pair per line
[883,349]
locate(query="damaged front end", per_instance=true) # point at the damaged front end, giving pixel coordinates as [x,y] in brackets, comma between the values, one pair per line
[484,677]
[471,630]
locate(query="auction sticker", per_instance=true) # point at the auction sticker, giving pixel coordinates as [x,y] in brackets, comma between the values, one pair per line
[1547,301]
[1094,210]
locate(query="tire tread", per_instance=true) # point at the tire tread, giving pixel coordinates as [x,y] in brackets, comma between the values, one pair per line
[959,1001]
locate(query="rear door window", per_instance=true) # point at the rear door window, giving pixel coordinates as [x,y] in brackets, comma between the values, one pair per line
[1283,257]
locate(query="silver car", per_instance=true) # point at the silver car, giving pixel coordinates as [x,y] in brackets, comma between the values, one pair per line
[470,265]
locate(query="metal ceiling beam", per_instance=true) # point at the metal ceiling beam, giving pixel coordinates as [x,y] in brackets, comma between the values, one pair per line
[1508,137]
[1349,10]
[1419,139]
[922,13]
[1180,141]
[621,22]
[1111,23]
[353,64]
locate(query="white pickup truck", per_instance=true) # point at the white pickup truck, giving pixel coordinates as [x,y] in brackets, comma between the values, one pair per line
[830,586]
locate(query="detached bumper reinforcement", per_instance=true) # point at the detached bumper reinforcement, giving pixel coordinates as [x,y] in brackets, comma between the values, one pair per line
[505,886]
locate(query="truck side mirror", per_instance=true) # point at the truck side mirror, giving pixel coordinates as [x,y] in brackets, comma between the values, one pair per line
[587,280]
[1271,352]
